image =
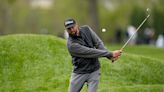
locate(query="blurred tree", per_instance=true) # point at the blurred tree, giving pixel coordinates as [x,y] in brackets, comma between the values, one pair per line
[4,16]
[11,1]
[158,20]
[93,14]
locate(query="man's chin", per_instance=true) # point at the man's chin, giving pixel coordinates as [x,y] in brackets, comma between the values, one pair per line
[73,35]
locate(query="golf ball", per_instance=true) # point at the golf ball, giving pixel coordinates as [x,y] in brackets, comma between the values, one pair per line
[103,30]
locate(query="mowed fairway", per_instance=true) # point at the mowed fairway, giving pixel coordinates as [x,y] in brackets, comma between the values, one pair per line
[41,63]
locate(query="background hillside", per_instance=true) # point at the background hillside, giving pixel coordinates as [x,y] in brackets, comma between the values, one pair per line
[41,63]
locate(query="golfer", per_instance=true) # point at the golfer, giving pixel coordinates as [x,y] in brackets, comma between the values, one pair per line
[85,47]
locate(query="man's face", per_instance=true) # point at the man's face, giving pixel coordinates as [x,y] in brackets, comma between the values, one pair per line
[73,30]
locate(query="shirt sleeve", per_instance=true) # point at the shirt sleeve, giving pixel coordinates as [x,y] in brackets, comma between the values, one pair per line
[78,50]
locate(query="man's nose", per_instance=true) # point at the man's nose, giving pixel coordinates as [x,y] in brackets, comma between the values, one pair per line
[71,29]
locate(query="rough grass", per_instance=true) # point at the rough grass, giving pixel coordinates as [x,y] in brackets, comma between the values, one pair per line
[32,63]
[41,63]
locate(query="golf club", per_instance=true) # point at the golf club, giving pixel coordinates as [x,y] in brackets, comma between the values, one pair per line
[135,31]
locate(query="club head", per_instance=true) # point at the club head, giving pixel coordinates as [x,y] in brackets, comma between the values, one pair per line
[148,12]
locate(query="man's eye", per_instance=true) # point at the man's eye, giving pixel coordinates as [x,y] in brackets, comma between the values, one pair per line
[68,28]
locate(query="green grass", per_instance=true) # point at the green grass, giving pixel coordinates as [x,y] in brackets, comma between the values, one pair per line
[143,50]
[33,63]
[41,63]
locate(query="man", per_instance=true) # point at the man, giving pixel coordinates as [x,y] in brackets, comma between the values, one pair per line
[85,47]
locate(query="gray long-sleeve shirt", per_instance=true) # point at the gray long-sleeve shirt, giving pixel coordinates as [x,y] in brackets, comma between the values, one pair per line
[85,50]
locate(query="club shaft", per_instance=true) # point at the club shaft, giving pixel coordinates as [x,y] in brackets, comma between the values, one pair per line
[135,32]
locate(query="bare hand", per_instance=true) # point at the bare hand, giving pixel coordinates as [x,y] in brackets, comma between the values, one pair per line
[116,55]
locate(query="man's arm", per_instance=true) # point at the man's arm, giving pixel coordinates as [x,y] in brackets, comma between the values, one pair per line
[78,50]
[99,45]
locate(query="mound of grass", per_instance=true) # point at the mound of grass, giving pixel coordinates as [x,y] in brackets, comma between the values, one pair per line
[41,63]
[132,70]
[139,69]
[33,63]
